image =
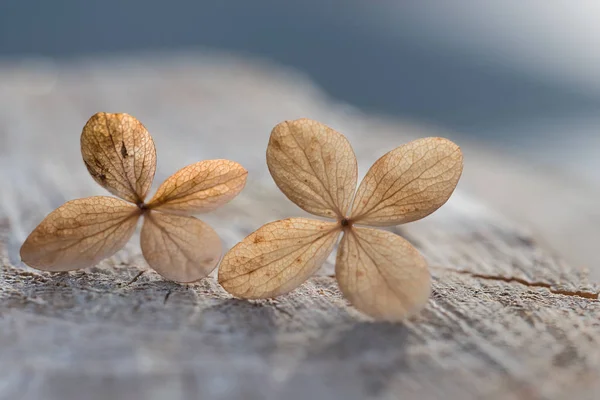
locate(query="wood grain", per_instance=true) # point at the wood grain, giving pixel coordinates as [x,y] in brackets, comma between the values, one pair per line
[508,319]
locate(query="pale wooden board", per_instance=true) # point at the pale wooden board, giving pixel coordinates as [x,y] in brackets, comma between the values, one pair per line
[520,323]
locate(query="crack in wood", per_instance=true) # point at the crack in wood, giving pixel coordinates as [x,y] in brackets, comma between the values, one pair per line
[509,279]
[167,296]
[135,278]
[577,293]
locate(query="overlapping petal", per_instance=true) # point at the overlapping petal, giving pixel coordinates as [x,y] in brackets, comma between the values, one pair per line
[382,274]
[181,249]
[80,233]
[314,166]
[277,258]
[408,183]
[119,153]
[200,187]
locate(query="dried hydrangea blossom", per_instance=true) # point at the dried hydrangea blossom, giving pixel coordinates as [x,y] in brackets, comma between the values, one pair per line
[381,273]
[119,153]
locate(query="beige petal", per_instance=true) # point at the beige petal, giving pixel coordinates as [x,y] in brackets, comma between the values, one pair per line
[408,183]
[200,187]
[119,153]
[314,166]
[80,233]
[277,258]
[181,249]
[382,274]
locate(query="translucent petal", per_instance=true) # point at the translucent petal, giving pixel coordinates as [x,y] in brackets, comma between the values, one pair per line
[408,183]
[314,166]
[80,233]
[200,187]
[181,249]
[382,274]
[277,258]
[119,153]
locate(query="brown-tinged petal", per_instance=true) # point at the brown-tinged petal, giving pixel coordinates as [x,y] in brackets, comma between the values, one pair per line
[80,233]
[408,183]
[200,187]
[382,274]
[277,258]
[181,249]
[314,166]
[119,153]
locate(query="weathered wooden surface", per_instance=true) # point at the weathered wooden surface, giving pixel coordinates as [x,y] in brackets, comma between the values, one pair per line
[508,319]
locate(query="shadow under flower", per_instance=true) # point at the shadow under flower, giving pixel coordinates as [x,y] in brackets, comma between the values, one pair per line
[355,363]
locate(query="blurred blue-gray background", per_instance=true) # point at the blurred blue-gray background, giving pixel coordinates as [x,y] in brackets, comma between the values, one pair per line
[511,71]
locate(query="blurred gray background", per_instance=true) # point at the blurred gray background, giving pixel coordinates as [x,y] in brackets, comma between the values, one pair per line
[520,78]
